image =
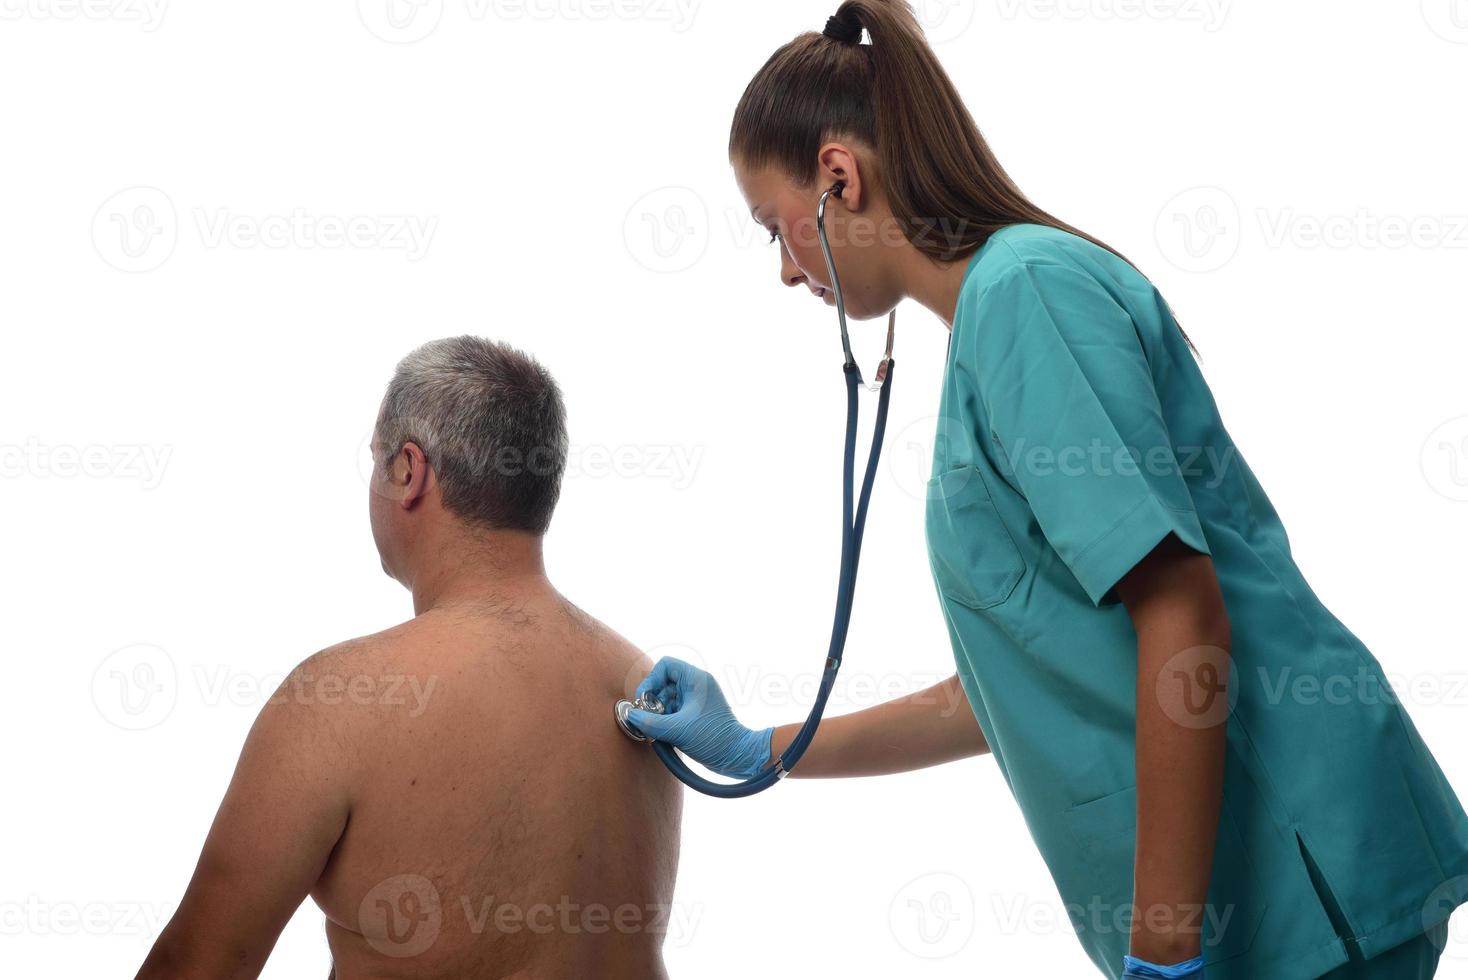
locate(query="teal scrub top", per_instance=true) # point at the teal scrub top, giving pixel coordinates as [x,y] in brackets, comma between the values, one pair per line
[1075,433]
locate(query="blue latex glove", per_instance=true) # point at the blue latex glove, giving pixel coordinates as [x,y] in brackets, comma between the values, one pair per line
[698,720]
[1139,969]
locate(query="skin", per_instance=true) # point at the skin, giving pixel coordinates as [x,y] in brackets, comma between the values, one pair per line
[449,826]
[1172,595]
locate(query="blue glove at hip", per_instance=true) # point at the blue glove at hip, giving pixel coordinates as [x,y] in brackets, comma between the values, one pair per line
[698,720]
[1139,969]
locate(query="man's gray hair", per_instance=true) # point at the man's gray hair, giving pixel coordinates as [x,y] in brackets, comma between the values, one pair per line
[490,420]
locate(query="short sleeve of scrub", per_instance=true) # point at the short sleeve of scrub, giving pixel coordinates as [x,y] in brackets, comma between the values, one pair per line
[1073,409]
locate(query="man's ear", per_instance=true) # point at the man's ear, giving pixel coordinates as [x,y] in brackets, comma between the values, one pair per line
[411,475]
[838,162]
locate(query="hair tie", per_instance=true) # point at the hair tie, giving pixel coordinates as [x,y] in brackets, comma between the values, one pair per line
[843,30]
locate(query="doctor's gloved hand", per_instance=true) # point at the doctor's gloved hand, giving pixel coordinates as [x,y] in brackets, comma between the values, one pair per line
[1140,969]
[697,719]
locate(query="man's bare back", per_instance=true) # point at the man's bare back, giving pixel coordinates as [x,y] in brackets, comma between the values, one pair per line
[488,835]
[455,795]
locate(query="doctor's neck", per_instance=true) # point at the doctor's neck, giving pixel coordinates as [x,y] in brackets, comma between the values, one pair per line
[933,284]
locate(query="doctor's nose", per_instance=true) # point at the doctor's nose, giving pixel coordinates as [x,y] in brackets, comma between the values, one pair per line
[790,273]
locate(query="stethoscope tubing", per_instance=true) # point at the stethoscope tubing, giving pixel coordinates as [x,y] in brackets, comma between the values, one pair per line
[853,528]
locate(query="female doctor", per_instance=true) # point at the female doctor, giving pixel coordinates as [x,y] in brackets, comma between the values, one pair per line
[1128,624]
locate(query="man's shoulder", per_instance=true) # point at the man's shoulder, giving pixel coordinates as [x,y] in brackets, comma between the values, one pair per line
[373,671]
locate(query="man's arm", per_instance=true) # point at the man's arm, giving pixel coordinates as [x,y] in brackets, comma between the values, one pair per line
[283,813]
[1183,653]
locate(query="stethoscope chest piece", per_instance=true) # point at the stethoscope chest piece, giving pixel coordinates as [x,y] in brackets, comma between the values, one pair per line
[646,703]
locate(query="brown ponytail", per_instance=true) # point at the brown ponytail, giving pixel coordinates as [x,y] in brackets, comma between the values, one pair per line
[947,190]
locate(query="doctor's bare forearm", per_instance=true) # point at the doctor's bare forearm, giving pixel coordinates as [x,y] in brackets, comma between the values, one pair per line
[1183,644]
[930,727]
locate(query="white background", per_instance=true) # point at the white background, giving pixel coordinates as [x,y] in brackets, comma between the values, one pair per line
[184,414]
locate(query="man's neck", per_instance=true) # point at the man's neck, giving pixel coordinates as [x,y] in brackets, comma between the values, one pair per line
[477,567]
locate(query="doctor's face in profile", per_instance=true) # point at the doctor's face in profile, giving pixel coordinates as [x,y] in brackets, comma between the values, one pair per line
[860,228]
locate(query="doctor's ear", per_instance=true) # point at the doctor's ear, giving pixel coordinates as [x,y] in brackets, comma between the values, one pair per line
[838,174]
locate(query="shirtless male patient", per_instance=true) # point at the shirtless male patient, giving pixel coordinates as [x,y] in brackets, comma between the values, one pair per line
[467,831]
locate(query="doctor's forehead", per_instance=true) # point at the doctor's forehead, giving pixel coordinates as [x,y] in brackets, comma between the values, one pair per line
[761,188]
[772,195]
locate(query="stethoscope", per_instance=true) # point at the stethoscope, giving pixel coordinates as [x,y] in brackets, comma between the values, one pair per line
[853,525]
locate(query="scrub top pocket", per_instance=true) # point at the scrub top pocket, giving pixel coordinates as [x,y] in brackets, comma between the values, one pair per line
[975,561]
